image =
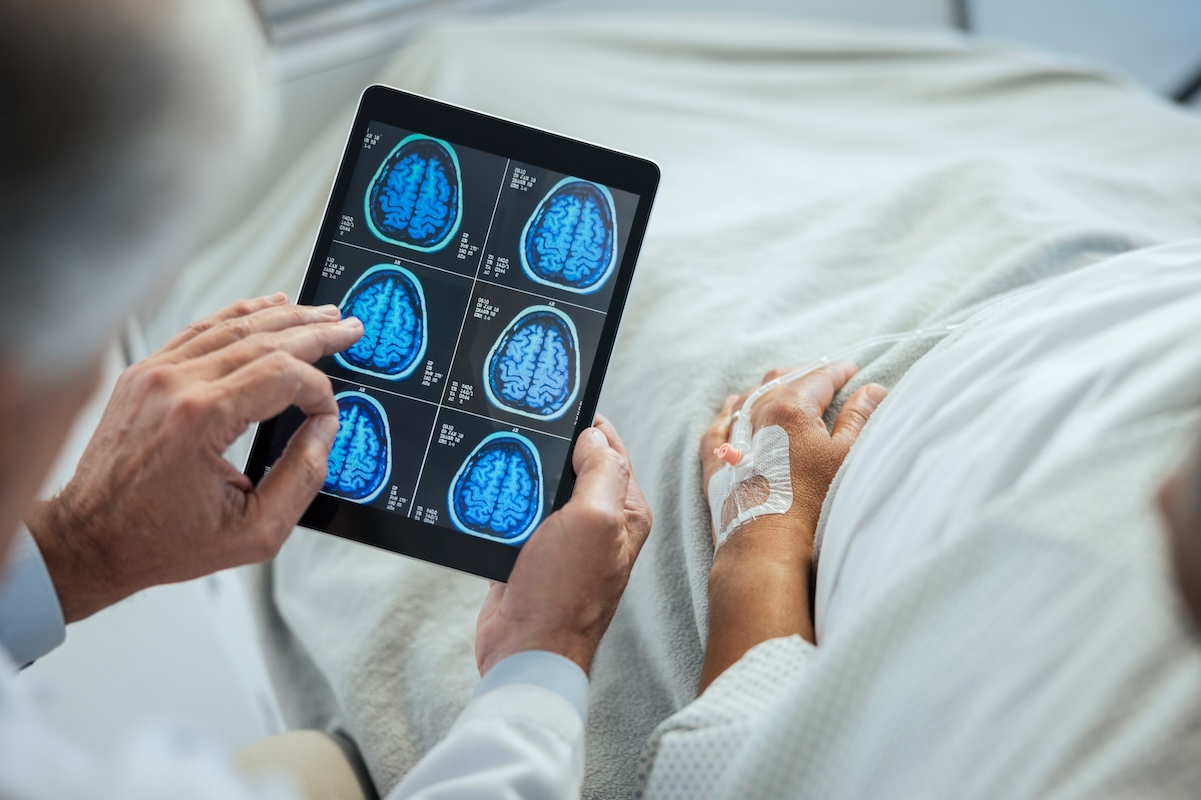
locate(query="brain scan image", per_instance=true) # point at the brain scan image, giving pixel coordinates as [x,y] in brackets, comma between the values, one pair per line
[416,197]
[570,241]
[390,303]
[360,461]
[497,492]
[533,369]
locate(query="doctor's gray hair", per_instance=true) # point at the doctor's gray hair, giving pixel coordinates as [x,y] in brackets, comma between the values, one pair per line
[117,118]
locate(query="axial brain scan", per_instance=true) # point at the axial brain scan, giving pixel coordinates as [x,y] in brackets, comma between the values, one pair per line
[497,492]
[390,303]
[360,460]
[533,369]
[570,241]
[416,197]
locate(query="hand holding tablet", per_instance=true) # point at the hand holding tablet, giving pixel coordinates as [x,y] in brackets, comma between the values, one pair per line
[564,590]
[489,263]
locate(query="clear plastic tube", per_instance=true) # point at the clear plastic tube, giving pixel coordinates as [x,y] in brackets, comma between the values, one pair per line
[740,431]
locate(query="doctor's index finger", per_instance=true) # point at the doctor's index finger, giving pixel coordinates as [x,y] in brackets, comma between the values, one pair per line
[241,308]
[264,322]
[306,342]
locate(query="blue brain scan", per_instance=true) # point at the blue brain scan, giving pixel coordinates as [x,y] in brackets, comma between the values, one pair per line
[416,197]
[533,369]
[497,492]
[390,303]
[360,462]
[570,242]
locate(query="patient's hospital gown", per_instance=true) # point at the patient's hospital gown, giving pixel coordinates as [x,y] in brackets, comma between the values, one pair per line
[971,642]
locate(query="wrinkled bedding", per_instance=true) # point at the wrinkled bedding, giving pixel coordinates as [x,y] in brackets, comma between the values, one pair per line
[820,185]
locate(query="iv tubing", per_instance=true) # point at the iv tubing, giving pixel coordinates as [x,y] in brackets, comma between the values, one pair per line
[740,432]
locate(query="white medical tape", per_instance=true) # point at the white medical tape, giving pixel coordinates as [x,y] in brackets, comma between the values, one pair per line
[758,485]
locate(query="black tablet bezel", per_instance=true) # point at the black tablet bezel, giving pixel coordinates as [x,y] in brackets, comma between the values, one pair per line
[501,137]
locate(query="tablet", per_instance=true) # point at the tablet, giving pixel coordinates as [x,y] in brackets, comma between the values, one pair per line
[489,262]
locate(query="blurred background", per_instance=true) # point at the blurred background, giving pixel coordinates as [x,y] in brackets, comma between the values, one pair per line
[189,650]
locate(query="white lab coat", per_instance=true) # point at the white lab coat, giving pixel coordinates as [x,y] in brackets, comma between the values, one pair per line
[522,735]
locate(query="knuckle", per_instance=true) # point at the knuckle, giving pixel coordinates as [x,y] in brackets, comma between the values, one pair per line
[595,516]
[244,307]
[190,407]
[278,362]
[198,327]
[615,462]
[267,543]
[239,328]
[150,378]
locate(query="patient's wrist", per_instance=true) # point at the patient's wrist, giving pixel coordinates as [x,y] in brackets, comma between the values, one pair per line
[776,539]
[76,559]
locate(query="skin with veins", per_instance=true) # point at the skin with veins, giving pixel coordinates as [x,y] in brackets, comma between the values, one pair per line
[748,494]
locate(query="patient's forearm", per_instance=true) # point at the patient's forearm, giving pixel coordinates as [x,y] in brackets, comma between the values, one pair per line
[758,590]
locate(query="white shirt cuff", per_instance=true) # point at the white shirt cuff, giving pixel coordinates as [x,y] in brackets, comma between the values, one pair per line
[544,669]
[31,618]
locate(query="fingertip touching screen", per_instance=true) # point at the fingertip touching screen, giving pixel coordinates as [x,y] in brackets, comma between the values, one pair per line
[489,274]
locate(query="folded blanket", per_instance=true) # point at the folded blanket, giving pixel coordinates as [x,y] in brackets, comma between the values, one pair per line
[821,185]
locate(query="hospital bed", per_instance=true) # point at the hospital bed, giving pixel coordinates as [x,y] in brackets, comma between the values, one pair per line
[822,184]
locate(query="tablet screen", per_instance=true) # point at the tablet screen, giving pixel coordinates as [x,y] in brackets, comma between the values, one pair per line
[483,284]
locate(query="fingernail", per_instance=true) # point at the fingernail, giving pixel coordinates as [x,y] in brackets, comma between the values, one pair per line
[731,399]
[330,310]
[327,427]
[875,394]
[277,297]
[597,438]
[350,323]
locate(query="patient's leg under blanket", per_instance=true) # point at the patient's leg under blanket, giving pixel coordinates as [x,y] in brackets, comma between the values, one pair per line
[821,185]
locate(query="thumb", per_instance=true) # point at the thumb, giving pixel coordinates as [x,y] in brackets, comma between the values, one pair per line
[286,491]
[602,473]
[856,412]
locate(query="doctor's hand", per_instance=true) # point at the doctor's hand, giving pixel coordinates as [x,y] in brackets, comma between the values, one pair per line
[571,573]
[153,499]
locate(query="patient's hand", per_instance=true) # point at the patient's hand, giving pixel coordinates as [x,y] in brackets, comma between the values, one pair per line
[759,583]
[814,453]
[571,573]
[153,500]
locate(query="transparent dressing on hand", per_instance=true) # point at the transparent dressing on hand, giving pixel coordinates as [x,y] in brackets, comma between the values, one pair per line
[757,477]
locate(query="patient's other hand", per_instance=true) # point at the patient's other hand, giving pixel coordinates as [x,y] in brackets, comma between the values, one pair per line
[814,453]
[153,499]
[571,573]
[759,583]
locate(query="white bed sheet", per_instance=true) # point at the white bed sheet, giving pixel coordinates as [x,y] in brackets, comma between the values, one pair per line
[821,184]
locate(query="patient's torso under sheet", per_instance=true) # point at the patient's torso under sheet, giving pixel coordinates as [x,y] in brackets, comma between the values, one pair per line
[821,185]
[992,611]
